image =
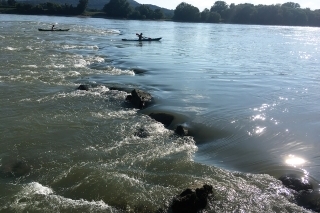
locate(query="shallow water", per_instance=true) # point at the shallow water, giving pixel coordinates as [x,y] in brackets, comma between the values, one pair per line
[248,94]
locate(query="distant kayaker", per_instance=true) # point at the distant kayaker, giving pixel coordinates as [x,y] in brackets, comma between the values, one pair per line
[140,36]
[52,28]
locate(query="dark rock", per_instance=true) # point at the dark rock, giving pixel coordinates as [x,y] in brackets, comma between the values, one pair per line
[186,192]
[185,204]
[296,183]
[114,88]
[163,118]
[160,210]
[208,188]
[141,133]
[139,71]
[139,98]
[182,131]
[305,196]
[309,199]
[83,87]
[190,201]
[15,169]
[129,97]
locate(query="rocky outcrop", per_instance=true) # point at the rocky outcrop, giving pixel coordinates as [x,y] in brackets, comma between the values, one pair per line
[83,87]
[191,201]
[141,133]
[309,199]
[296,183]
[305,195]
[163,118]
[139,98]
[182,131]
[15,168]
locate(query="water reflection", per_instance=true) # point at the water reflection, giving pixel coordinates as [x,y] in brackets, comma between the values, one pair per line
[258,117]
[258,130]
[294,161]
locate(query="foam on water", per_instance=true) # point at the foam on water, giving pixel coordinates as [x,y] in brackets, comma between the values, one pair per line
[68,46]
[36,197]
[117,71]
[11,48]
[100,91]
[30,66]
[123,114]
[79,63]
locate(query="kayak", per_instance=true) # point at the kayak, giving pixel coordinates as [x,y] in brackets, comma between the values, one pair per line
[53,29]
[144,39]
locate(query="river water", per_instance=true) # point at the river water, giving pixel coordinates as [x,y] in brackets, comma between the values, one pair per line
[249,94]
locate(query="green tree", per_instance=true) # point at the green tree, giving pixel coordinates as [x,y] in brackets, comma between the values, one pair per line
[229,13]
[219,7]
[210,17]
[11,2]
[145,11]
[204,15]
[117,9]
[186,12]
[135,15]
[268,15]
[81,7]
[214,17]
[288,16]
[300,17]
[244,14]
[23,8]
[158,14]
[52,8]
[38,9]
[313,17]
[291,5]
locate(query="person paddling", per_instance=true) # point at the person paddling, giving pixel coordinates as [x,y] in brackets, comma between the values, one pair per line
[140,36]
[52,28]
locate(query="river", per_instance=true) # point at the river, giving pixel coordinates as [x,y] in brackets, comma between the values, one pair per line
[248,93]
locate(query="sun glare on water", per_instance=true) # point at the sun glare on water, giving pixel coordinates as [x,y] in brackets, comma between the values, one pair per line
[294,160]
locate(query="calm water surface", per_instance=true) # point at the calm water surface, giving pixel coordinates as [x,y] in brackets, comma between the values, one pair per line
[248,94]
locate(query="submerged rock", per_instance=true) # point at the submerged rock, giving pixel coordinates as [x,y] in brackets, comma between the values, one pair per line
[296,183]
[83,87]
[139,71]
[141,133]
[139,98]
[163,118]
[309,199]
[16,168]
[190,201]
[305,195]
[182,131]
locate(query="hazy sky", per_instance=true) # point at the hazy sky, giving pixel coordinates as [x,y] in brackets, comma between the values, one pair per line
[202,4]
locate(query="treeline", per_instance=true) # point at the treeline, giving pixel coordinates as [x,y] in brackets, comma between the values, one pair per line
[290,13]
[113,9]
[280,14]
[122,9]
[49,8]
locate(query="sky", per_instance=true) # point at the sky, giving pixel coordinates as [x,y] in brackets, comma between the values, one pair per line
[202,4]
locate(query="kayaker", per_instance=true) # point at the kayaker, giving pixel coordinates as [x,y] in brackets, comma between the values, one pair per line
[140,36]
[52,28]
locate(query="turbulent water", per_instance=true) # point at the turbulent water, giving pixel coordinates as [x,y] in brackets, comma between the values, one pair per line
[248,94]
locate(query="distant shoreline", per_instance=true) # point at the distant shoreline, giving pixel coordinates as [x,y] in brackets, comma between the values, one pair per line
[89,14]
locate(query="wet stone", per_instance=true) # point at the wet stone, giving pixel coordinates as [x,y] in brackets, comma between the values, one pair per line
[192,201]
[163,118]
